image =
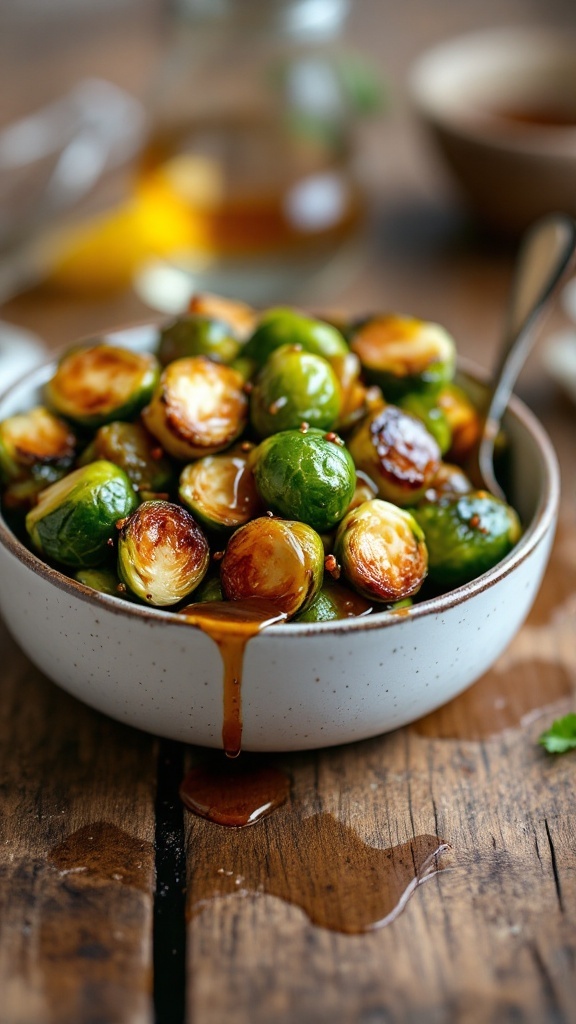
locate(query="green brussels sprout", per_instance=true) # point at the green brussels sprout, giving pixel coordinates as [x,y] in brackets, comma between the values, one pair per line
[292,388]
[449,481]
[381,551]
[425,407]
[403,354]
[396,451]
[463,419]
[305,475]
[76,517]
[335,601]
[274,559]
[163,554]
[35,445]
[197,335]
[105,581]
[220,490]
[130,446]
[199,408]
[209,590]
[279,327]
[466,536]
[101,383]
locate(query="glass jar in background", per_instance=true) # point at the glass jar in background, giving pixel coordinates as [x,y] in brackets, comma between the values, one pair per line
[252,147]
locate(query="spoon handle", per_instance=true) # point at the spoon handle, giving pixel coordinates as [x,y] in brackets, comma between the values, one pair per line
[545,254]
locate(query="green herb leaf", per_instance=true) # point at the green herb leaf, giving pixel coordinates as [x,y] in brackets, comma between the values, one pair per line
[561,736]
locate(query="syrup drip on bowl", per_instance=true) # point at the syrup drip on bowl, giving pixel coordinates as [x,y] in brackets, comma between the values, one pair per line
[231,624]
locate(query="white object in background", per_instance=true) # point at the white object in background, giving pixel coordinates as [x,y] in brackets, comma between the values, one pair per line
[20,351]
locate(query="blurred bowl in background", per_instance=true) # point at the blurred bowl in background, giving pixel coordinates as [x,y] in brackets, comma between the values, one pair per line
[501,106]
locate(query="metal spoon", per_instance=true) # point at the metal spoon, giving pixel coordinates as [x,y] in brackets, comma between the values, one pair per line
[546,252]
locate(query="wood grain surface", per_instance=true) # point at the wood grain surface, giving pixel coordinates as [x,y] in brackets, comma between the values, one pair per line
[489,935]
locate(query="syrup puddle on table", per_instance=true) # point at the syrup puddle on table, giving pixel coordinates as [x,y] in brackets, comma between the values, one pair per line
[234,794]
[321,866]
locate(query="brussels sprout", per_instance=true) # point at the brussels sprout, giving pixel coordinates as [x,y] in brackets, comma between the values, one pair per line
[76,517]
[466,536]
[357,400]
[305,475]
[381,550]
[397,452]
[274,559]
[209,590]
[101,383]
[162,553]
[105,581]
[196,335]
[403,354]
[335,601]
[449,481]
[292,388]
[279,327]
[240,317]
[425,408]
[364,490]
[463,419]
[199,408]
[35,444]
[130,446]
[220,490]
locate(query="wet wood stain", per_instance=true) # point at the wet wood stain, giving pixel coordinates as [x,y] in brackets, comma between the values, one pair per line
[102,851]
[231,624]
[320,865]
[235,794]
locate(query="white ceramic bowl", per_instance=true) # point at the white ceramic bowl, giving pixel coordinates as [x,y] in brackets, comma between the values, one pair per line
[304,685]
[512,170]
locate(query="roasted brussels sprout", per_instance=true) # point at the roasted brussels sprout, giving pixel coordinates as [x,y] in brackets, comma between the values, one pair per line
[101,383]
[162,553]
[274,559]
[463,419]
[196,335]
[279,327]
[199,408]
[365,490]
[76,517]
[240,317]
[130,446]
[35,445]
[403,354]
[335,601]
[305,475]
[466,536]
[397,453]
[449,481]
[105,581]
[381,550]
[294,387]
[220,490]
[425,408]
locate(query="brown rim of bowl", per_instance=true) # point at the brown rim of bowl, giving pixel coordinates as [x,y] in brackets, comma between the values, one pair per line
[534,535]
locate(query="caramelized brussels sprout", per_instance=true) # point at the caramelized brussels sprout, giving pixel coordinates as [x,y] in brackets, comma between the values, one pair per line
[425,408]
[162,553]
[381,550]
[105,581]
[239,317]
[220,490]
[76,517]
[403,354]
[463,419]
[199,408]
[397,452]
[274,559]
[466,536]
[364,490]
[130,446]
[279,327]
[100,383]
[305,475]
[357,400]
[335,601]
[292,388]
[35,445]
[449,481]
[196,335]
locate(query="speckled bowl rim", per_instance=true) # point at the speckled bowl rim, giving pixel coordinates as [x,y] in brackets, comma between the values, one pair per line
[542,520]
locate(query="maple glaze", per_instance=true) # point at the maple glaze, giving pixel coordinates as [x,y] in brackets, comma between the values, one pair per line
[234,794]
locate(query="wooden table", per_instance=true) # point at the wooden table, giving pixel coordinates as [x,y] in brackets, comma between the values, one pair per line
[107,913]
